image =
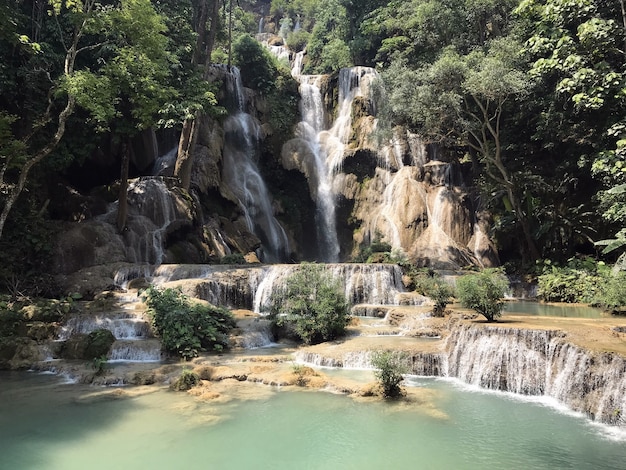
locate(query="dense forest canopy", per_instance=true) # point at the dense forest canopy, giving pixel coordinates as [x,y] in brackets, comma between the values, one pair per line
[530,96]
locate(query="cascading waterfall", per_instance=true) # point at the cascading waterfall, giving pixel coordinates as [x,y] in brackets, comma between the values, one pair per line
[155,210]
[540,362]
[327,145]
[134,341]
[310,130]
[241,174]
[252,287]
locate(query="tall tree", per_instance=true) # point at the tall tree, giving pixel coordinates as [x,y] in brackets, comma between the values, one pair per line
[462,101]
[81,16]
[578,51]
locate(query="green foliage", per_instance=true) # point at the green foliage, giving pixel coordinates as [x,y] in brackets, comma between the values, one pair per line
[186,328]
[98,344]
[612,293]
[578,281]
[10,320]
[234,258]
[186,381]
[312,303]
[377,251]
[483,292]
[258,67]
[390,367]
[297,40]
[99,364]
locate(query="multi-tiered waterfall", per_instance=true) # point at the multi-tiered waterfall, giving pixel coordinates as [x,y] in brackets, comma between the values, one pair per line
[400,192]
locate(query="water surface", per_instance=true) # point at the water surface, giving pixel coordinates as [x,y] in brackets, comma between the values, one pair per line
[50,426]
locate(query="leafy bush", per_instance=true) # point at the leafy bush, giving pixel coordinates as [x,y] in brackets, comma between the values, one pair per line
[312,303]
[98,344]
[375,252]
[297,40]
[234,258]
[187,328]
[258,67]
[612,293]
[390,367]
[483,292]
[577,282]
[10,320]
[440,292]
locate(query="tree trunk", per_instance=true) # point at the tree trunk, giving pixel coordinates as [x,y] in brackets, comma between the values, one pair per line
[230,33]
[210,42]
[122,208]
[191,127]
[184,160]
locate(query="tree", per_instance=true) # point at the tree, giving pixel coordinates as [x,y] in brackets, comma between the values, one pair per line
[483,292]
[577,50]
[312,303]
[185,327]
[462,101]
[34,145]
[390,367]
[205,41]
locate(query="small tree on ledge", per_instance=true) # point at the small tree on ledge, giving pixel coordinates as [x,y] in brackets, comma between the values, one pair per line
[312,304]
[483,292]
[390,367]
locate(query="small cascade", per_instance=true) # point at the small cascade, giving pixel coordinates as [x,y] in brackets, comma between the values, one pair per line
[164,164]
[255,333]
[136,351]
[362,283]
[252,287]
[540,362]
[241,174]
[123,325]
[152,210]
[134,341]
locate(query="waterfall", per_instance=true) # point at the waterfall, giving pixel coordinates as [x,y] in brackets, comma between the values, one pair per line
[152,211]
[165,163]
[540,362]
[327,145]
[242,176]
[252,287]
[134,341]
[310,130]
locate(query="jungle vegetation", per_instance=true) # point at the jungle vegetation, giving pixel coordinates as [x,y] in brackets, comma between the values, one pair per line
[528,96]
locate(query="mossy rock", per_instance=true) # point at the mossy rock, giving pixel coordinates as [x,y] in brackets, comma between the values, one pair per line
[99,344]
[186,381]
[88,346]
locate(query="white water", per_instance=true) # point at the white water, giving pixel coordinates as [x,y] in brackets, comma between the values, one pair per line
[151,212]
[328,144]
[242,176]
[310,130]
[134,340]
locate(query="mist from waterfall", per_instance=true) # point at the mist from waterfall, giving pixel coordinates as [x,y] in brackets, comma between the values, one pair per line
[241,175]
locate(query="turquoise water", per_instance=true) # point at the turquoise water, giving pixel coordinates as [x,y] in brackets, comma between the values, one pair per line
[552,310]
[47,426]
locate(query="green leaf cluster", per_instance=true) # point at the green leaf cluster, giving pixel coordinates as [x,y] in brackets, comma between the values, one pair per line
[187,328]
[483,292]
[312,303]
[390,367]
